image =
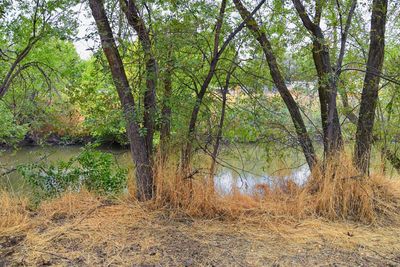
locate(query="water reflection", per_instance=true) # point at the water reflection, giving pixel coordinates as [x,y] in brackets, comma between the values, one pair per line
[247,166]
[227,179]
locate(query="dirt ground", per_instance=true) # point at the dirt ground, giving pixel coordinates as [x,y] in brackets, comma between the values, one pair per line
[93,232]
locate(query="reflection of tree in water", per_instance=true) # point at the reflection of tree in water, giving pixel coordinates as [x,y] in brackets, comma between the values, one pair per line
[243,167]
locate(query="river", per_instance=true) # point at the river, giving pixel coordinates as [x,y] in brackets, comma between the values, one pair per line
[241,166]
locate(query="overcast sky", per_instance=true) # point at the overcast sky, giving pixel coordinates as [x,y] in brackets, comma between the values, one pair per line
[85,20]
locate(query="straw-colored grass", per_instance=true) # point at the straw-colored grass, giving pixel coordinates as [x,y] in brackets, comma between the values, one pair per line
[13,213]
[338,191]
[335,191]
[80,229]
[333,219]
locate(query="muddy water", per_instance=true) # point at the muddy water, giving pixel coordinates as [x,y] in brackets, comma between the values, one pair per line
[241,166]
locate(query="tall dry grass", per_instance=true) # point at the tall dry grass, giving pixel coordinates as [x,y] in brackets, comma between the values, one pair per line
[14,215]
[335,192]
[338,191]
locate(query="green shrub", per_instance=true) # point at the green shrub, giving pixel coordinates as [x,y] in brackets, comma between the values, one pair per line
[100,172]
[10,132]
[92,169]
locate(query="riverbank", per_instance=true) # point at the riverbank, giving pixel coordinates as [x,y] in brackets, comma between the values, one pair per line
[336,218]
[84,230]
[54,140]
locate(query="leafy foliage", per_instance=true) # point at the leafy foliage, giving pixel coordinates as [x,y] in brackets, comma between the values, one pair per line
[92,169]
[10,132]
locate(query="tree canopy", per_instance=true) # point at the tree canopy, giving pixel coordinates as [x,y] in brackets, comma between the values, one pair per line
[187,76]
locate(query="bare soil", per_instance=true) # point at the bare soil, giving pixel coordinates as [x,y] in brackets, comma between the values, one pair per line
[98,233]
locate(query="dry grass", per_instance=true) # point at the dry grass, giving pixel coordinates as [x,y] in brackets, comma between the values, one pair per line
[336,193]
[81,229]
[13,213]
[339,192]
[328,220]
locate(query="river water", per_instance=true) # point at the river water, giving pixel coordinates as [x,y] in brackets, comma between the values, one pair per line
[241,167]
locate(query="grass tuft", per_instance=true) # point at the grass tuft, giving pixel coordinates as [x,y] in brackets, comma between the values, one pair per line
[14,215]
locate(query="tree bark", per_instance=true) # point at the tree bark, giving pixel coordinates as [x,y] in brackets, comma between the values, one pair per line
[139,150]
[369,95]
[166,111]
[301,130]
[327,88]
[131,11]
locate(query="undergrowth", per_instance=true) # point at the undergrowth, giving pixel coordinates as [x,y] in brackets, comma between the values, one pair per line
[335,193]
[13,213]
[93,170]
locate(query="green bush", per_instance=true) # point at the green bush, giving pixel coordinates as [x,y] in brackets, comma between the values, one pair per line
[11,133]
[92,169]
[100,172]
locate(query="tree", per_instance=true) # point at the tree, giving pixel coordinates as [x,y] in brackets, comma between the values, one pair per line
[224,92]
[216,55]
[139,148]
[369,96]
[23,25]
[301,130]
[327,88]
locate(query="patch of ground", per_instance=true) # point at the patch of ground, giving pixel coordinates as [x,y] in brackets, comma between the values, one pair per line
[91,232]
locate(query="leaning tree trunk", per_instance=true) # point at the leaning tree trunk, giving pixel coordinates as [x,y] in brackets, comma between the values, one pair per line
[369,97]
[301,130]
[187,150]
[140,153]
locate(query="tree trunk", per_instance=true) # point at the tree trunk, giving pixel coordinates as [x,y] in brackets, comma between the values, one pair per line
[327,88]
[132,14]
[165,131]
[369,95]
[187,150]
[301,130]
[140,153]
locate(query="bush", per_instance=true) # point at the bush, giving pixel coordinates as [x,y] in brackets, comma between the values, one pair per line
[92,169]
[100,173]
[10,132]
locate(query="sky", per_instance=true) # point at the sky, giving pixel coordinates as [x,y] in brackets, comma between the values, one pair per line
[85,22]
